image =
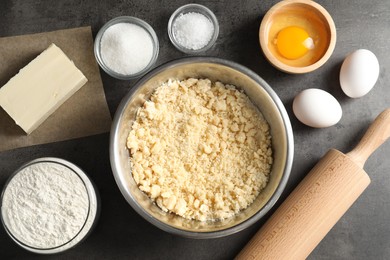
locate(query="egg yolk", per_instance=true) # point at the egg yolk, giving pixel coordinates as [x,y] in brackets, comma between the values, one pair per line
[293,42]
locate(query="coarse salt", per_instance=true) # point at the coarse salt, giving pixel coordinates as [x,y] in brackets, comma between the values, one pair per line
[126,48]
[193,30]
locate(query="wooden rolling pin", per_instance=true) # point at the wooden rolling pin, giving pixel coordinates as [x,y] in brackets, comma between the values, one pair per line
[319,201]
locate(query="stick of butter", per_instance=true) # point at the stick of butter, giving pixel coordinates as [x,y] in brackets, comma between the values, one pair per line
[32,95]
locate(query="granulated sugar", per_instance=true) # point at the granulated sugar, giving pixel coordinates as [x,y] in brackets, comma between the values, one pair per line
[126,48]
[193,30]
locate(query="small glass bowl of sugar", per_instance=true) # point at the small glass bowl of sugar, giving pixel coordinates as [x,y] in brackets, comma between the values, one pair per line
[126,47]
[193,29]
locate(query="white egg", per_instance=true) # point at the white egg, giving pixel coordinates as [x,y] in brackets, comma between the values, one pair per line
[317,108]
[359,73]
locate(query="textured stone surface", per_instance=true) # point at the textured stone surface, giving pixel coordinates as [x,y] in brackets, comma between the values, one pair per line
[362,233]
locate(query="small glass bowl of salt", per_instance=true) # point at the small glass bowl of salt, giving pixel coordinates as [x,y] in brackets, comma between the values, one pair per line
[193,29]
[126,47]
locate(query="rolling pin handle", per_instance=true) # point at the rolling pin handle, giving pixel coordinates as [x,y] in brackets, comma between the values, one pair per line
[375,136]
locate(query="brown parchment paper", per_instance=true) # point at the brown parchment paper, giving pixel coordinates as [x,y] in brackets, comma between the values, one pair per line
[83,114]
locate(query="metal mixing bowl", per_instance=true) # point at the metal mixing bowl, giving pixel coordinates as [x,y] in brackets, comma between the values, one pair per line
[227,72]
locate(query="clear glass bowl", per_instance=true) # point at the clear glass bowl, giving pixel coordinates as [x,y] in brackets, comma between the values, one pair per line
[193,8]
[90,220]
[131,20]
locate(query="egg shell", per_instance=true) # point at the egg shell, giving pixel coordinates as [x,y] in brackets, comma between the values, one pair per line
[359,73]
[317,108]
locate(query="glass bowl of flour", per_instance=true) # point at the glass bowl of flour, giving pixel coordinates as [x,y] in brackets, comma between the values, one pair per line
[49,205]
[126,47]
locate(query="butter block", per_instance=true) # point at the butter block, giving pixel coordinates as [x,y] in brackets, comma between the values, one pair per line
[42,86]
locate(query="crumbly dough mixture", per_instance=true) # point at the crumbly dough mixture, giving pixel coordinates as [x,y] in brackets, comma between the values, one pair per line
[200,149]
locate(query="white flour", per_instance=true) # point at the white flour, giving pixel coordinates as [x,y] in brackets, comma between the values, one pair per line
[45,205]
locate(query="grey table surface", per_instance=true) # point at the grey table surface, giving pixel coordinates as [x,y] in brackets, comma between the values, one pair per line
[362,233]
